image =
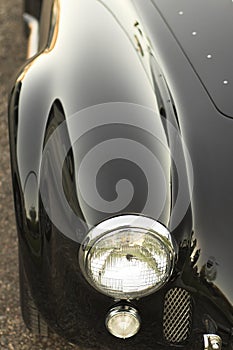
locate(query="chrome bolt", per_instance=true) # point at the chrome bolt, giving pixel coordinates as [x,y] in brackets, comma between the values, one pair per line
[212,342]
[215,345]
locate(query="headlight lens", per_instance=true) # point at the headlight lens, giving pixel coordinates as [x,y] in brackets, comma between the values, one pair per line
[123,322]
[128,256]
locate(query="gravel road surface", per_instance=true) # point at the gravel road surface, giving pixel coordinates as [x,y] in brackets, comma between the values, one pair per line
[13,334]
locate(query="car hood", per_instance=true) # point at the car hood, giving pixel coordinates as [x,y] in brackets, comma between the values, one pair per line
[204,32]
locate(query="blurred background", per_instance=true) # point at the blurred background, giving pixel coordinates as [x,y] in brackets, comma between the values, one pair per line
[13,333]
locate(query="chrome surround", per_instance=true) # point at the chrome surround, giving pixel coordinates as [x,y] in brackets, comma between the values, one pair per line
[177,315]
[212,342]
[155,228]
[123,309]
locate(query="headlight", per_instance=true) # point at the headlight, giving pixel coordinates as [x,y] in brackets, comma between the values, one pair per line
[123,322]
[128,256]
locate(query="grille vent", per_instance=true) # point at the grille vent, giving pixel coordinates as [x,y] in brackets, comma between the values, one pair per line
[177,316]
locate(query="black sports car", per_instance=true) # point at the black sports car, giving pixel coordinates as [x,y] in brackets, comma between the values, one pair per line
[121,138]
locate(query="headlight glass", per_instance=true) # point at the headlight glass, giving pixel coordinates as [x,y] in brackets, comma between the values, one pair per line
[123,322]
[130,260]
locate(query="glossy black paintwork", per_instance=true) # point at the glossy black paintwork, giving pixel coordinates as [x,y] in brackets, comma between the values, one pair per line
[92,53]
[204,34]
[204,130]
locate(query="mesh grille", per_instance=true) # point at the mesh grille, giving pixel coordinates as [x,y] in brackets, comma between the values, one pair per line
[177,317]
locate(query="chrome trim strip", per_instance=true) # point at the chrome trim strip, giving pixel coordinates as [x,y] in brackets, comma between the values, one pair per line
[33,40]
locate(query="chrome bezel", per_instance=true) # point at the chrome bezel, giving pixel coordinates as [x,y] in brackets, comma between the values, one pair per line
[124,222]
[123,309]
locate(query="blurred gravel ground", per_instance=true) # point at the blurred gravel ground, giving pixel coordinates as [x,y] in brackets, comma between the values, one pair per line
[13,334]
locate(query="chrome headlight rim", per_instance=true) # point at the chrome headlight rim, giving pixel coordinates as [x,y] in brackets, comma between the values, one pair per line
[123,223]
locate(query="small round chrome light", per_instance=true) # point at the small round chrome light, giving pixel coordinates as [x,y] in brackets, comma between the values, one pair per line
[123,322]
[127,256]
